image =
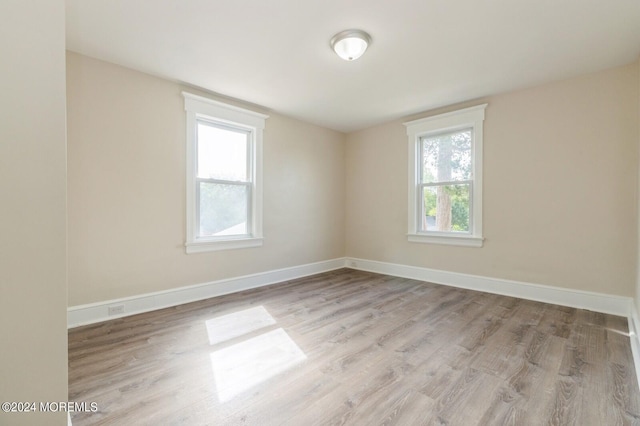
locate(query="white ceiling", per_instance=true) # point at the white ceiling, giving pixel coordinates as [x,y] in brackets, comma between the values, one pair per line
[424,54]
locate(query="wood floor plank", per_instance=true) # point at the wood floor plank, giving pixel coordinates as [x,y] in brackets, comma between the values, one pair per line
[505,408]
[351,348]
[465,401]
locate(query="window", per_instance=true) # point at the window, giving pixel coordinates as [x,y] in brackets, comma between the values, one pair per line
[224,163]
[445,178]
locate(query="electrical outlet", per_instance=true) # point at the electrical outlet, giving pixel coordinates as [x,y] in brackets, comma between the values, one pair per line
[116,309]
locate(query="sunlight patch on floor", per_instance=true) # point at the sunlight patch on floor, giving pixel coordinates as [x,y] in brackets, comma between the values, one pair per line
[244,365]
[237,324]
[622,332]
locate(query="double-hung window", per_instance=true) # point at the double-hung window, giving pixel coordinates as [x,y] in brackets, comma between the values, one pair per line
[224,187]
[445,178]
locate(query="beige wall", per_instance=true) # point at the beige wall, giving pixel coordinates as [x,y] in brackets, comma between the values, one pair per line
[637,212]
[559,189]
[560,167]
[127,189]
[33,296]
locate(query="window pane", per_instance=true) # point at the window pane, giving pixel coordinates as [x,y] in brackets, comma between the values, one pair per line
[446,157]
[223,209]
[445,208]
[222,153]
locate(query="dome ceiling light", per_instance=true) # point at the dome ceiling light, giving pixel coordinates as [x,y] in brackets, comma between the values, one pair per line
[350,44]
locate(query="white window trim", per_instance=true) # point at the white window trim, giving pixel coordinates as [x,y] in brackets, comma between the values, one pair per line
[465,118]
[219,112]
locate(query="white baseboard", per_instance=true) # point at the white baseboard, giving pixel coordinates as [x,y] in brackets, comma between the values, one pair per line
[598,302]
[97,312]
[634,328]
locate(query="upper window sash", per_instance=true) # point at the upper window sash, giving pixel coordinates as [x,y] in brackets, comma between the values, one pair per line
[423,140]
[247,133]
[443,124]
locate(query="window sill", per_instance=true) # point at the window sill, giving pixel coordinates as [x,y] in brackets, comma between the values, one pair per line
[451,240]
[204,246]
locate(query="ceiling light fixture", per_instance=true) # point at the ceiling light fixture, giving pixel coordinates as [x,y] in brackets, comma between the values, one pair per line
[350,44]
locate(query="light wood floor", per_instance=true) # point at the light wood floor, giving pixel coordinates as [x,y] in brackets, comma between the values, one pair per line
[351,347]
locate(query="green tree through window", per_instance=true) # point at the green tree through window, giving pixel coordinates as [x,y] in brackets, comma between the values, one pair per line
[446,161]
